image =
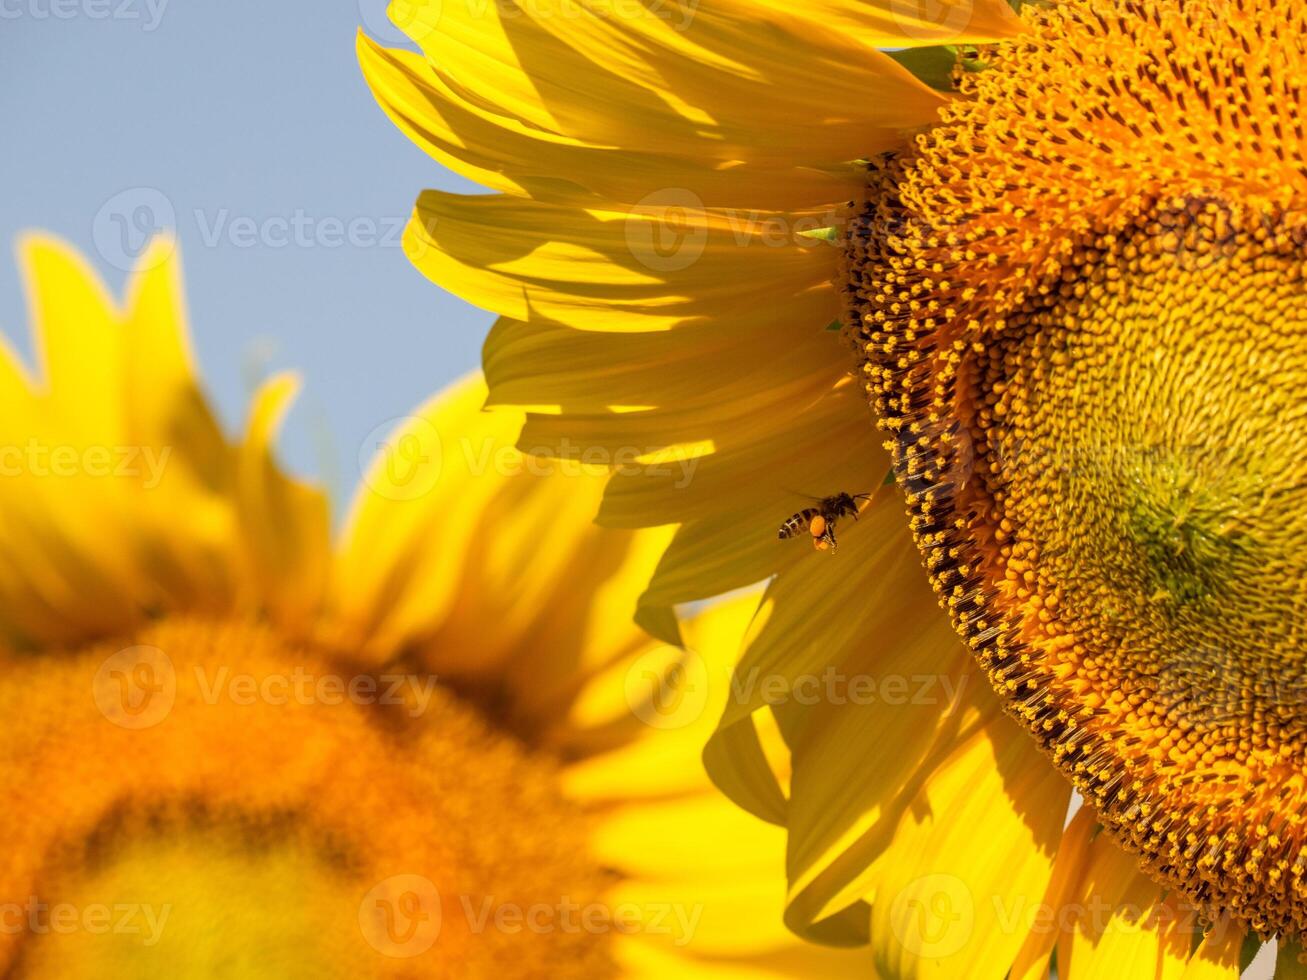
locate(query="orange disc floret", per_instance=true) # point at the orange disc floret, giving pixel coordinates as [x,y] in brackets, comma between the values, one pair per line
[1080,304]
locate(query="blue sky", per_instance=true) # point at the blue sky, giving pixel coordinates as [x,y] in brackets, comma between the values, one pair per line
[247,127]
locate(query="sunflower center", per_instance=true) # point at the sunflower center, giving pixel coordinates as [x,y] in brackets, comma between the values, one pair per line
[209,799]
[1139,446]
[1080,304]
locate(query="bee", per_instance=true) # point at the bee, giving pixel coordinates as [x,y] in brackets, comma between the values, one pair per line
[819,521]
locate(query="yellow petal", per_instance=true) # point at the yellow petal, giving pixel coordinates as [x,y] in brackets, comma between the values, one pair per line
[828,640]
[414,516]
[972,852]
[78,340]
[1032,961]
[107,444]
[724,492]
[541,365]
[827,611]
[465,552]
[827,449]
[670,443]
[506,154]
[639,80]
[813,617]
[286,524]
[665,262]
[716,895]
[737,762]
[911,23]
[1217,957]
[707,558]
[1122,924]
[643,959]
[730,502]
[659,754]
[166,412]
[1102,910]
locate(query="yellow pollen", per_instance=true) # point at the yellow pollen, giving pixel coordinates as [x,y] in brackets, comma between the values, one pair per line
[1080,304]
[267,810]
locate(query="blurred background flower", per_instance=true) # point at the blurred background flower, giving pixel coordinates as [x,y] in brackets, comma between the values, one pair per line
[438,748]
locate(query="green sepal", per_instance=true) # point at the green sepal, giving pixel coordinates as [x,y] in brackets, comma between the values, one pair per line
[1252,945]
[933,64]
[831,234]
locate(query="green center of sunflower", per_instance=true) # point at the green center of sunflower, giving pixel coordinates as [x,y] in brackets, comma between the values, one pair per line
[1139,448]
[194,904]
[1080,304]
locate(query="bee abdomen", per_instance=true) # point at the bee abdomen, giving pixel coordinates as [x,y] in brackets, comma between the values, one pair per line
[798,523]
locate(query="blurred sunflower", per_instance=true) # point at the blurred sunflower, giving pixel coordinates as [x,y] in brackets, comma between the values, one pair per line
[441,750]
[1060,252]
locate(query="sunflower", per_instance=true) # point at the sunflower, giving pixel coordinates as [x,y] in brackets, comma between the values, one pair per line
[1041,268]
[440,749]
